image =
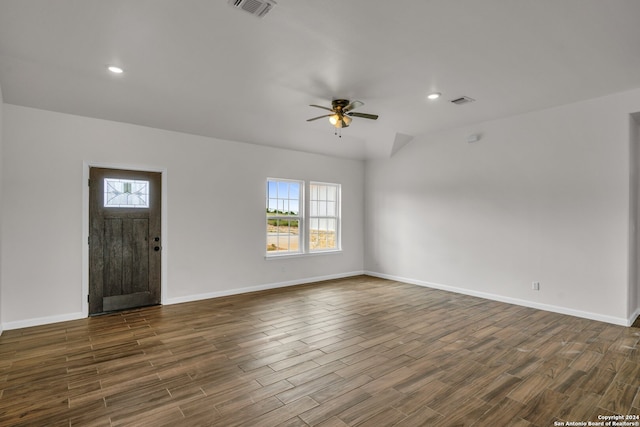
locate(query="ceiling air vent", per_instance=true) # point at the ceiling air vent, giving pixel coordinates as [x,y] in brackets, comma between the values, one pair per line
[258,8]
[462,100]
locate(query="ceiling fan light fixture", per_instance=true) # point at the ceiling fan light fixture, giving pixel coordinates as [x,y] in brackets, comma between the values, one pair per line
[340,121]
[434,95]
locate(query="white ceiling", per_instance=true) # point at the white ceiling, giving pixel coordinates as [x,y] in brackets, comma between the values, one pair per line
[203,67]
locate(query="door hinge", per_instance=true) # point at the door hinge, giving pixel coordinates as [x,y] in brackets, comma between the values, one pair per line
[89,240]
[89,182]
[88,298]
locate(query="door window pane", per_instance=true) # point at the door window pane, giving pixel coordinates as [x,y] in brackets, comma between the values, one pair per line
[126,193]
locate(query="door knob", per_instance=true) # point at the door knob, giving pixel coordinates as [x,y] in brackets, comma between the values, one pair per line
[156,248]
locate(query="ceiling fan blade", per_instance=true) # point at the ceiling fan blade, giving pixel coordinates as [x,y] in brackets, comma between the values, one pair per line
[320,106]
[353,105]
[364,115]
[319,117]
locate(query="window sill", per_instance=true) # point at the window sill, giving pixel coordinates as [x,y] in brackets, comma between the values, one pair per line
[302,255]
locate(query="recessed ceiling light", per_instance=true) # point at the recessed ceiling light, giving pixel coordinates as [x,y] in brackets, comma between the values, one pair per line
[115,70]
[434,95]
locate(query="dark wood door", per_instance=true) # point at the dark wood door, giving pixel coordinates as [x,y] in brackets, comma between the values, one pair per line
[124,239]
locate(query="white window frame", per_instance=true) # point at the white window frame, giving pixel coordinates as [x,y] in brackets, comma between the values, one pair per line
[287,217]
[304,219]
[319,210]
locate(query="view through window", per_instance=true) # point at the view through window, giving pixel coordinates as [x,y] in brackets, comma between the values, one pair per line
[284,202]
[324,216]
[286,217]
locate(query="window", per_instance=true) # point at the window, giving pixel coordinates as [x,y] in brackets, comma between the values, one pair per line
[324,216]
[126,193]
[284,218]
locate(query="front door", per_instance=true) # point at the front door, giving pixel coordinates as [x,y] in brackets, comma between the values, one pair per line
[124,239]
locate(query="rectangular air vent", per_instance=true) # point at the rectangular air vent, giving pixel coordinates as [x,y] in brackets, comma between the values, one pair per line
[258,8]
[462,100]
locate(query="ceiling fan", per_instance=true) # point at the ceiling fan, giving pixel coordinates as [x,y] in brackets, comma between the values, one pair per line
[341,112]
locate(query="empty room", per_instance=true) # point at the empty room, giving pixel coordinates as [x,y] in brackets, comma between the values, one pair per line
[319,213]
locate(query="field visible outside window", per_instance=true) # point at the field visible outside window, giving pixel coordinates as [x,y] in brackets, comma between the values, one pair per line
[284,216]
[324,216]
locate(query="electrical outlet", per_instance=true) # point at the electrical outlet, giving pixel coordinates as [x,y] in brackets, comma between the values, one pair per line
[535,286]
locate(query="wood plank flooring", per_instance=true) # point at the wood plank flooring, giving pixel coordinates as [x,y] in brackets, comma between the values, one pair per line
[360,351]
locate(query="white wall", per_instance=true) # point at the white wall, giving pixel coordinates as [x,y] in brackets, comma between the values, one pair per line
[1,162]
[214,242]
[543,196]
[634,220]
[634,253]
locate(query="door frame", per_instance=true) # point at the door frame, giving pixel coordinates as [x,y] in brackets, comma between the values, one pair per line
[86,165]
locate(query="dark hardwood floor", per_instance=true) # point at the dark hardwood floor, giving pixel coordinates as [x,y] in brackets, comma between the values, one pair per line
[359,351]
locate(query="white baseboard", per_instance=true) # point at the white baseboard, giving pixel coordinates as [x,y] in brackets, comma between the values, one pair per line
[494,297]
[546,307]
[218,294]
[27,323]
[74,316]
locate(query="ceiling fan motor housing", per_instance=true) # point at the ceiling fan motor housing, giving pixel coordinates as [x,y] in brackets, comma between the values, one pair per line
[339,103]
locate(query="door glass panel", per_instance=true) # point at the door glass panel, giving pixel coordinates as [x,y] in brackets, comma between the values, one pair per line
[126,193]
